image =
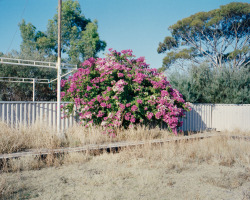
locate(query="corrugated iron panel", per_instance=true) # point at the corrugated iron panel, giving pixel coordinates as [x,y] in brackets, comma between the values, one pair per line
[27,113]
[202,117]
[198,119]
[231,116]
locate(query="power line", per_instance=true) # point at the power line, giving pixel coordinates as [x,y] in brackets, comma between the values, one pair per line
[17,27]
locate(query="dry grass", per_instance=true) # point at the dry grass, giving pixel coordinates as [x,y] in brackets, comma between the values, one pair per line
[79,135]
[27,137]
[214,168]
[39,136]
[237,132]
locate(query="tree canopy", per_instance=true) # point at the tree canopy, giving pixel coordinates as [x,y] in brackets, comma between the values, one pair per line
[80,39]
[220,36]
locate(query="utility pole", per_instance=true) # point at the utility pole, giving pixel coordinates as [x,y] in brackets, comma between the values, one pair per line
[59,68]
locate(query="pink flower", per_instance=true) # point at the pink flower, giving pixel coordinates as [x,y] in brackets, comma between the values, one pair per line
[100,114]
[122,106]
[62,94]
[164,93]
[158,115]
[90,103]
[139,78]
[103,105]
[141,59]
[63,82]
[175,131]
[128,104]
[109,105]
[87,115]
[139,101]
[120,74]
[146,108]
[106,98]
[134,108]
[89,88]
[132,119]
[150,115]
[109,89]
[127,116]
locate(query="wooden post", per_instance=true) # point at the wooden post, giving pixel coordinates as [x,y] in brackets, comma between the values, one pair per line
[59,68]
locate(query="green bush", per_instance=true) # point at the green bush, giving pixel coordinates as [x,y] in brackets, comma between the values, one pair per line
[203,84]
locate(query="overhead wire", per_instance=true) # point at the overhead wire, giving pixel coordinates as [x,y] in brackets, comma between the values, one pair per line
[21,16]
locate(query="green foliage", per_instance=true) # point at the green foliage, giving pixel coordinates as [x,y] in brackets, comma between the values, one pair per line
[177,56]
[203,84]
[80,39]
[219,36]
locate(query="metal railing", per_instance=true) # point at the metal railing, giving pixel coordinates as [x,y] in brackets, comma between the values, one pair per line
[34,63]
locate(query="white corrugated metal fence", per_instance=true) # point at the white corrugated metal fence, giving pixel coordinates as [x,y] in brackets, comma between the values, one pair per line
[202,117]
[15,113]
[231,116]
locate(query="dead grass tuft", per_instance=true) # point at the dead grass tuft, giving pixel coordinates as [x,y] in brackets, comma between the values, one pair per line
[27,137]
[229,180]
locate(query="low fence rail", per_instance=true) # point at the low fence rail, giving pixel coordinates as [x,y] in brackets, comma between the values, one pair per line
[202,117]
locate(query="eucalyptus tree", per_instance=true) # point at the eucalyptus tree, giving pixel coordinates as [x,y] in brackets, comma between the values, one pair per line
[80,38]
[220,36]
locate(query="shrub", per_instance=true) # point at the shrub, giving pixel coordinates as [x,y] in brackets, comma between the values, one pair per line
[202,84]
[120,91]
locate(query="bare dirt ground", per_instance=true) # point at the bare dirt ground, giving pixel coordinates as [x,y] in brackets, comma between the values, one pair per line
[215,168]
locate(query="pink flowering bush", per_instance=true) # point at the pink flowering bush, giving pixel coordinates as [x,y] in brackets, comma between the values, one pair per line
[121,91]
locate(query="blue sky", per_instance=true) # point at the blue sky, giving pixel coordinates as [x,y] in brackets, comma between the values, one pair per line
[124,24]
